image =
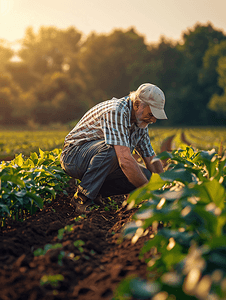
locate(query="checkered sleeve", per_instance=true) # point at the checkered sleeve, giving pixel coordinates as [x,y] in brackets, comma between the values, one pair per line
[144,147]
[115,127]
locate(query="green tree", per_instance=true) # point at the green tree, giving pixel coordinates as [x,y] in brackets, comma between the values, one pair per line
[58,98]
[10,101]
[6,53]
[208,76]
[218,102]
[110,62]
[195,96]
[162,66]
[197,40]
[49,50]
[23,75]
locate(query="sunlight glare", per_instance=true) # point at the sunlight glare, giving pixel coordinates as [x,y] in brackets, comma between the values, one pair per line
[5,7]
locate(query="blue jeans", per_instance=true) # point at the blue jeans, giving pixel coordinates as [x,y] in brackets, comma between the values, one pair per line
[96,165]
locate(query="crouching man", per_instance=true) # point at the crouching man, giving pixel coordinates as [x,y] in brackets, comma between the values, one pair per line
[98,150]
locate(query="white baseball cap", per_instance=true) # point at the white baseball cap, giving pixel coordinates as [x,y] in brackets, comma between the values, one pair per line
[154,97]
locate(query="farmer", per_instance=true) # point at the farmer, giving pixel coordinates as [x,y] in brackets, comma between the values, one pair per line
[98,150]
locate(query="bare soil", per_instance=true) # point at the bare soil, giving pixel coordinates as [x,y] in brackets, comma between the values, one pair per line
[91,273]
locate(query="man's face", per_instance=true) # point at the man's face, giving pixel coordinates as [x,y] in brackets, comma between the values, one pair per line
[144,116]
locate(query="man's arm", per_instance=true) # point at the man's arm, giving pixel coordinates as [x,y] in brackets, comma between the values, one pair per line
[129,166]
[155,167]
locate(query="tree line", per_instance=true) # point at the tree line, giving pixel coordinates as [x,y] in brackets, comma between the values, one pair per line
[60,74]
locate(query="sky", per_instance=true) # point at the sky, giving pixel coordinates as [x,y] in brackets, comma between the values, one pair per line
[150,18]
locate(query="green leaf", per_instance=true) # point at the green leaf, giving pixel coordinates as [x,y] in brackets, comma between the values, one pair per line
[39,252]
[61,233]
[41,153]
[79,243]
[144,192]
[155,182]
[163,155]
[206,156]
[5,208]
[38,200]
[19,160]
[182,175]
[158,241]
[216,242]
[169,195]
[129,229]
[21,193]
[47,247]
[50,190]
[212,191]
[34,157]
[56,246]
[221,166]
[208,221]
[213,168]
[142,289]
[216,257]
[13,178]
[183,238]
[174,256]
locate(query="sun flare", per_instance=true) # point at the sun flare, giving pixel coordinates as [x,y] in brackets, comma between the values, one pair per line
[5,7]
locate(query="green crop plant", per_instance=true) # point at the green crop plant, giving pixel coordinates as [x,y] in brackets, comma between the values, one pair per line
[61,231]
[78,244]
[53,280]
[26,184]
[79,218]
[187,252]
[111,205]
[47,247]
[14,142]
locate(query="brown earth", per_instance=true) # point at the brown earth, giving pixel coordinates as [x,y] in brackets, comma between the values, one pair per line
[184,139]
[166,145]
[92,272]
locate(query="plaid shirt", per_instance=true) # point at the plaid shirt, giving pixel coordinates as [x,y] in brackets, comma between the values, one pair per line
[110,121]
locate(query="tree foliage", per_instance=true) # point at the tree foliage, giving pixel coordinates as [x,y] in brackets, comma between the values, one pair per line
[58,98]
[50,49]
[111,61]
[61,74]
[218,103]
[6,53]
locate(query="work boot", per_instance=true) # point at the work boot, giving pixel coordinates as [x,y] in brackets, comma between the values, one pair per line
[81,203]
[99,200]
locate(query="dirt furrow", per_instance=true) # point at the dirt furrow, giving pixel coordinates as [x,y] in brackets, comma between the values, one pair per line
[91,272]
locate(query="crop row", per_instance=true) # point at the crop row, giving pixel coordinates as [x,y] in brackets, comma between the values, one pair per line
[26,184]
[184,213]
[14,142]
[199,138]
[207,138]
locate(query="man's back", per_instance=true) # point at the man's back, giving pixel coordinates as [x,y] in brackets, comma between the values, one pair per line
[92,127]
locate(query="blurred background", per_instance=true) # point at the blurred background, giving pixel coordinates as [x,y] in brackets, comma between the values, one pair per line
[59,58]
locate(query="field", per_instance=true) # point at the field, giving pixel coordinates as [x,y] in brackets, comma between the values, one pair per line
[15,142]
[165,241]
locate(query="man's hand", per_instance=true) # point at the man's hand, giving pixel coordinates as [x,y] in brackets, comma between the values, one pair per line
[155,167]
[129,166]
